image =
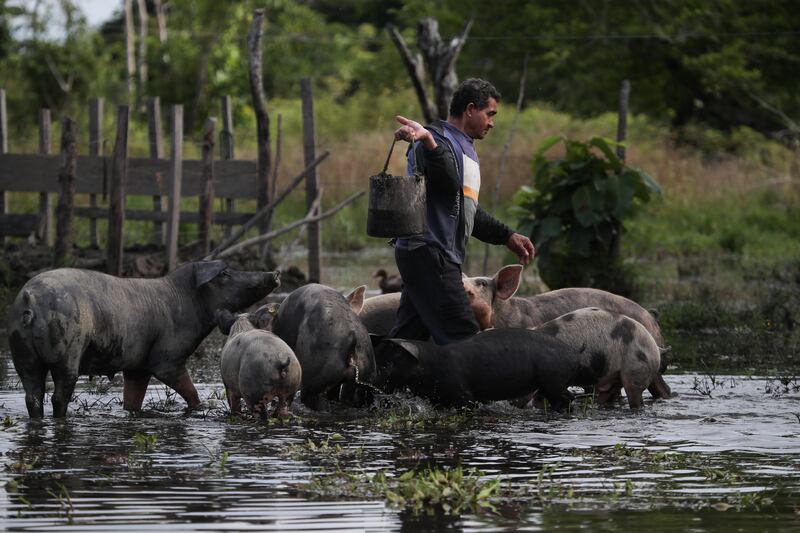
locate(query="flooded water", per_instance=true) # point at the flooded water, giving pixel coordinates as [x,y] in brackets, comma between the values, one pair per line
[723,454]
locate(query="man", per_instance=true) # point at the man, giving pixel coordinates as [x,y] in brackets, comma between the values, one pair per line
[433,302]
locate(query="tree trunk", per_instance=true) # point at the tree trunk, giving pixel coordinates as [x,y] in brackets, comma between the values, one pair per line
[440,58]
[260,107]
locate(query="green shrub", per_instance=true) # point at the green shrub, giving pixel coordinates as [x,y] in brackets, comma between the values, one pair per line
[575,211]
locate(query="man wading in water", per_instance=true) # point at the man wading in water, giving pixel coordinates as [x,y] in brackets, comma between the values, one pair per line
[433,302]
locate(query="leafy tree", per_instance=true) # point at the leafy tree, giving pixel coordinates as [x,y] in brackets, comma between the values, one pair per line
[724,63]
[574,212]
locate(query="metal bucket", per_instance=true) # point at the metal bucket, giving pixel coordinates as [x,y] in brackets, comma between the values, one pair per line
[396,204]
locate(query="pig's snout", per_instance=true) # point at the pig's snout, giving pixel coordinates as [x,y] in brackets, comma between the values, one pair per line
[271,280]
[479,306]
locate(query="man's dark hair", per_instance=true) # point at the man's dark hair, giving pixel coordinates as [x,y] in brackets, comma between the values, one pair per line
[472,91]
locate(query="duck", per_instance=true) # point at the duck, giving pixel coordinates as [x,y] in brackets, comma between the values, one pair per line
[387,283]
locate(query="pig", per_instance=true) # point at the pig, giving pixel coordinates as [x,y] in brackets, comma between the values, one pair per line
[73,322]
[378,313]
[256,365]
[615,346]
[490,366]
[494,304]
[261,318]
[331,343]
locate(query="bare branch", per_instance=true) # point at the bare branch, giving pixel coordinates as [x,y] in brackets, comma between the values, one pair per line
[310,217]
[273,182]
[267,209]
[64,85]
[416,69]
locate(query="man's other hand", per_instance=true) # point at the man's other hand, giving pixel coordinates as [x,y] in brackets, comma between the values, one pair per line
[413,131]
[522,246]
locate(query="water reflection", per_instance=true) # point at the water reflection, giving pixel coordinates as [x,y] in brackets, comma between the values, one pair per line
[102,468]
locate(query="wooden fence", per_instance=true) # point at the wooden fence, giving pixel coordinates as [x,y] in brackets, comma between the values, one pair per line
[118,175]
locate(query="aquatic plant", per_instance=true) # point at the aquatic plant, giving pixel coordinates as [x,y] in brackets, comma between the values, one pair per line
[144,442]
[328,447]
[217,456]
[779,385]
[452,489]
[66,508]
[166,403]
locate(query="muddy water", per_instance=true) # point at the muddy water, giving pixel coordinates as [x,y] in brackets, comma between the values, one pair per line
[723,454]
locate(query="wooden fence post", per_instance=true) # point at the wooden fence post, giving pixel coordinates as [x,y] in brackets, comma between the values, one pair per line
[96,150]
[119,181]
[176,161]
[45,200]
[256,77]
[226,152]
[130,53]
[622,132]
[622,124]
[156,152]
[65,211]
[3,150]
[312,180]
[207,199]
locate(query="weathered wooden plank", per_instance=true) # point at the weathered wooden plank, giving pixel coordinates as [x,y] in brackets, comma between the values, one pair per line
[95,150]
[46,204]
[3,150]
[206,211]
[156,152]
[65,211]
[314,230]
[175,185]
[35,173]
[18,225]
[116,207]
[226,150]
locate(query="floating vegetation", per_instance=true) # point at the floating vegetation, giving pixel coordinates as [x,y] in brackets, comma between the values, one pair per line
[451,490]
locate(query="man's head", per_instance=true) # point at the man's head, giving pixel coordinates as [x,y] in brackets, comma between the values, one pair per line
[474,106]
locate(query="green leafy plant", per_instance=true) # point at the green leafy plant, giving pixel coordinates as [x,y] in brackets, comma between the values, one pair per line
[575,210]
[452,489]
[144,442]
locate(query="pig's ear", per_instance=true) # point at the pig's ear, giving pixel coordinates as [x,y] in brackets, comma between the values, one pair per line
[205,271]
[356,299]
[225,320]
[375,340]
[409,347]
[262,317]
[507,281]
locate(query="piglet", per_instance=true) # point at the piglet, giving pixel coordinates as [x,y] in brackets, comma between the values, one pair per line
[493,365]
[256,364]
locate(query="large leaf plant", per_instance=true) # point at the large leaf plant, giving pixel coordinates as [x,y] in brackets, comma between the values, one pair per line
[575,211]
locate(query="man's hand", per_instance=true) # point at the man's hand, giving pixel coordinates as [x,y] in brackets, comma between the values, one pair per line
[522,246]
[413,131]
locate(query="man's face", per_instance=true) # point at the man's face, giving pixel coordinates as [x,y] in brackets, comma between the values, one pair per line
[480,121]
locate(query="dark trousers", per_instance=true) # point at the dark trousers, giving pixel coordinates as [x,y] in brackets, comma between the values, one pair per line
[433,302]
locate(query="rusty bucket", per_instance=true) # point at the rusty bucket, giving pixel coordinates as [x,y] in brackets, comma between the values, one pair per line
[396,204]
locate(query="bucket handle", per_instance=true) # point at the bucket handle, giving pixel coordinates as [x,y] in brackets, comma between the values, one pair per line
[388,157]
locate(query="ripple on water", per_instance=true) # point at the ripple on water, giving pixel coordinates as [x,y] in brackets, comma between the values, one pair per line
[207,472]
